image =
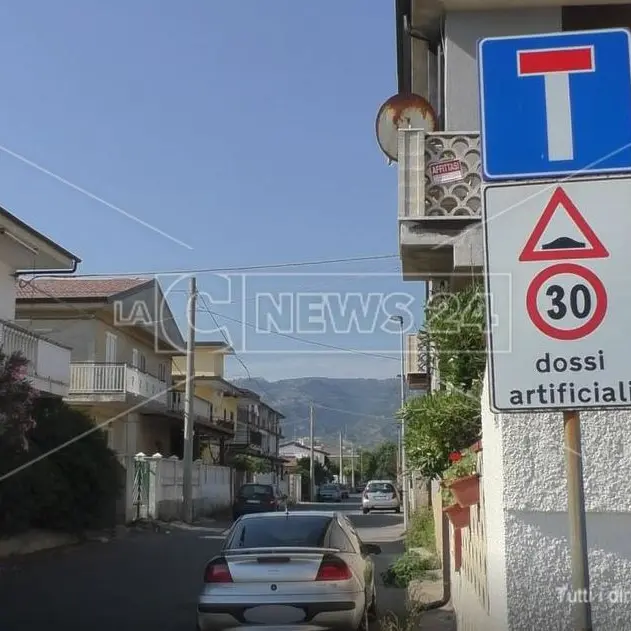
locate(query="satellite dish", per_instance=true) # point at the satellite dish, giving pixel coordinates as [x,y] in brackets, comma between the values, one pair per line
[402,111]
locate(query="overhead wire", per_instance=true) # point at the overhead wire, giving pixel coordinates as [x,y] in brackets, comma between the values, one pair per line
[238,268]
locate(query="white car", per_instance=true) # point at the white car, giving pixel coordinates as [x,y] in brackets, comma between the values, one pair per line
[381,495]
[330,493]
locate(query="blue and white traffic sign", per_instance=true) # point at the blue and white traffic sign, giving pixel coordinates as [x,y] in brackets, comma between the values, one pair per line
[555,104]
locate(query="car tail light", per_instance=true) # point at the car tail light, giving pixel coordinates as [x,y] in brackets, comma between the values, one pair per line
[333,570]
[217,571]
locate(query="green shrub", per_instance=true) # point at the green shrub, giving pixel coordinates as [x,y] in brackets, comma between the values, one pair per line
[71,489]
[409,567]
[421,532]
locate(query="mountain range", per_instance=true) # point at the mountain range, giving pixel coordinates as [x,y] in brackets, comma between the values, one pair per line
[363,409]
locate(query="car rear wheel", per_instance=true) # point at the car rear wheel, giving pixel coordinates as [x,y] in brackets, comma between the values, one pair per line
[365,511]
[398,510]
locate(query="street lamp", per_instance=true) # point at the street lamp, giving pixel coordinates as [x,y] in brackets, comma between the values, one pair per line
[404,477]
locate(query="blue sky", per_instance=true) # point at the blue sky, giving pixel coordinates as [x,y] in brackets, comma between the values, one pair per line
[242,129]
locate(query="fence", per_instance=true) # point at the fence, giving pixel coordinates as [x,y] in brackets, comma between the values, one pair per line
[154,488]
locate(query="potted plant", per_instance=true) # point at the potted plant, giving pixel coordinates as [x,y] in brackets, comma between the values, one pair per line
[458,515]
[462,478]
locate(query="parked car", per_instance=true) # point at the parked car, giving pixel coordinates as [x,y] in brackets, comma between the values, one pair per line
[298,569]
[344,491]
[330,493]
[258,498]
[381,495]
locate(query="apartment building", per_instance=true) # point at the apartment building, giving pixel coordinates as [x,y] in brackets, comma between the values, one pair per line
[215,402]
[24,252]
[120,368]
[257,430]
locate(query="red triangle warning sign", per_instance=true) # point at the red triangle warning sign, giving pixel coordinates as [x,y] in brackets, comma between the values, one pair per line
[562,247]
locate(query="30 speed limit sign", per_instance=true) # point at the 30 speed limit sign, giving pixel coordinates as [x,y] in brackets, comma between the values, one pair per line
[566,301]
[564,247]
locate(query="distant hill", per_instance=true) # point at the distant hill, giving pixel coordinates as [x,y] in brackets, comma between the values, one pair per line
[363,408]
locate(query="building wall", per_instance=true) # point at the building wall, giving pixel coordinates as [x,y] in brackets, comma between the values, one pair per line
[76,333]
[297,452]
[463,29]
[527,520]
[7,291]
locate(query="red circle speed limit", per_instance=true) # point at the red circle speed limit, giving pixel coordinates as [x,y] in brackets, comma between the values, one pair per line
[566,301]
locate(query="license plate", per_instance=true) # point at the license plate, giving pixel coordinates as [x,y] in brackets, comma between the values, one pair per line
[381,497]
[274,614]
[253,501]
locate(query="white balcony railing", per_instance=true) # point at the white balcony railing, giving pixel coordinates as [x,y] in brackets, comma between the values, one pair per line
[48,362]
[202,409]
[93,378]
[439,175]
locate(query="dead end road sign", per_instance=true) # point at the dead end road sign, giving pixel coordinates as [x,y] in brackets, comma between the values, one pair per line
[567,248]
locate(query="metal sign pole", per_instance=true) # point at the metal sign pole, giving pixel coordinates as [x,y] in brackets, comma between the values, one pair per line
[578,528]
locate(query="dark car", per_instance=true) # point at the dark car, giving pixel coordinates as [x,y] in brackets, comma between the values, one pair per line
[344,490]
[258,498]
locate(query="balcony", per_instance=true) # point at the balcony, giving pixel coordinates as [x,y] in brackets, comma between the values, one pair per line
[202,410]
[416,366]
[49,363]
[440,203]
[111,383]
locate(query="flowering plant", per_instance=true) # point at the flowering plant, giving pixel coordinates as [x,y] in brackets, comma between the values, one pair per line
[463,464]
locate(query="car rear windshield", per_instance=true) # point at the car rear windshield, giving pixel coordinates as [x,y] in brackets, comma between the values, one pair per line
[380,487]
[329,487]
[252,491]
[280,532]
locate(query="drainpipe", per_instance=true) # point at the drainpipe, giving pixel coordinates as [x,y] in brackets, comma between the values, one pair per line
[437,604]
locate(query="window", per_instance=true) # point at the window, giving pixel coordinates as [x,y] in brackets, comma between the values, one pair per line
[162,372]
[110,348]
[297,530]
[143,363]
[232,416]
[134,358]
[225,415]
[380,487]
[253,491]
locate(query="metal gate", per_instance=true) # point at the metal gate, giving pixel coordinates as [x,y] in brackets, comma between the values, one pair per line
[140,495]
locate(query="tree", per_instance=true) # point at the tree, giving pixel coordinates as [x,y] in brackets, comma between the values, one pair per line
[381,463]
[438,424]
[17,398]
[321,474]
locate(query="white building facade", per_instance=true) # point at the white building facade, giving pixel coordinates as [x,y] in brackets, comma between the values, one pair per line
[24,252]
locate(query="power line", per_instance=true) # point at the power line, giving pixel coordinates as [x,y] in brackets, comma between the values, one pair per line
[241,268]
[300,339]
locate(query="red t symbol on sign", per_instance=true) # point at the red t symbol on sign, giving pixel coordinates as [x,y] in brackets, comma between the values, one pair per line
[556,65]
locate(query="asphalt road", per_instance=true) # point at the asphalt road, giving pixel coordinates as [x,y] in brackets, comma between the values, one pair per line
[147,580]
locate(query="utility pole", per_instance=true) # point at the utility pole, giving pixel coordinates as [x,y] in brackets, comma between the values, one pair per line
[189,393]
[341,459]
[404,476]
[312,497]
[352,466]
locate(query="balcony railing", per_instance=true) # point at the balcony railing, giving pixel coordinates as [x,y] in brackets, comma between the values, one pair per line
[92,378]
[416,365]
[48,363]
[439,175]
[202,410]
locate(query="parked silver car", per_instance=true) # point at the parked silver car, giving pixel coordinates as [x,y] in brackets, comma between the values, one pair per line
[330,493]
[381,495]
[290,570]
